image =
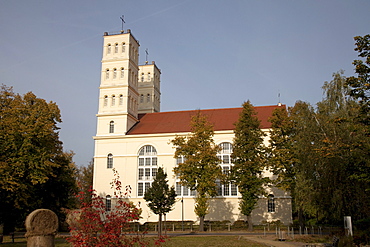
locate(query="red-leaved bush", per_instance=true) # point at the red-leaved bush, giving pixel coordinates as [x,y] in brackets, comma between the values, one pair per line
[93,226]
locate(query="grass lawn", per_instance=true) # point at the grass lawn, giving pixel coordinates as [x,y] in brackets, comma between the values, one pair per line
[199,241]
[188,241]
[22,242]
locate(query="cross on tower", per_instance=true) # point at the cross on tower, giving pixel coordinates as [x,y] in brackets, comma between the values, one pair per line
[123,21]
[146,55]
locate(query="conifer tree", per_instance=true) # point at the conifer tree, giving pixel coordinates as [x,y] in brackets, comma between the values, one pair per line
[248,159]
[200,168]
[160,197]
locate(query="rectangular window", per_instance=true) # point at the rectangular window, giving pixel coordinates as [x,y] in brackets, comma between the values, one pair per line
[193,193]
[147,161]
[154,161]
[226,159]
[147,174]
[185,191]
[108,204]
[178,189]
[141,173]
[147,186]
[141,161]
[218,188]
[226,189]
[154,173]
[234,191]
[140,191]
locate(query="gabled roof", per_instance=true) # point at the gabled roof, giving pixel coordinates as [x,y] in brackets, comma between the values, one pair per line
[179,121]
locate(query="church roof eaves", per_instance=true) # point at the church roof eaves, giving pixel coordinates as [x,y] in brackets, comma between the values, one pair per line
[179,121]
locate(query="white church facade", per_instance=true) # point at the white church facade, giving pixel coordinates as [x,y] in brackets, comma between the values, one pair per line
[133,137]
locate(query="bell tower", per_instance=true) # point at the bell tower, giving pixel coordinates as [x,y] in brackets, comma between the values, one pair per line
[118,91]
[149,88]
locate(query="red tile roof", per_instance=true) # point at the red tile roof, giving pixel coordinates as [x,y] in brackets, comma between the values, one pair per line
[179,121]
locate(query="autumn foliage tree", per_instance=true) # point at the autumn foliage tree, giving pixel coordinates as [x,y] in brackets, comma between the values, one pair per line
[200,169]
[249,162]
[96,225]
[34,170]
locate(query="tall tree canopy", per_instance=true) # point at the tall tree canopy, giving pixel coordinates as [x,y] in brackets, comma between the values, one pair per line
[323,150]
[34,171]
[249,162]
[360,90]
[160,197]
[200,169]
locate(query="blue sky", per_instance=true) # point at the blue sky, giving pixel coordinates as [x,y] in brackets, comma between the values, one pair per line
[212,53]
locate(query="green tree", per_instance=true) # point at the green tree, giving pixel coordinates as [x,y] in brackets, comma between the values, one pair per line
[360,90]
[282,158]
[317,151]
[200,170]
[249,162]
[34,171]
[360,85]
[85,181]
[160,197]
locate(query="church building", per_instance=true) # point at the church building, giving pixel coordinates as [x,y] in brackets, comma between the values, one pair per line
[133,137]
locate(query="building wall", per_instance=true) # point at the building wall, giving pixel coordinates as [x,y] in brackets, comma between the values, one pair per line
[125,151]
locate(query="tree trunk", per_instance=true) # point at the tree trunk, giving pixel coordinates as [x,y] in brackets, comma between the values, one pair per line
[201,224]
[250,223]
[300,218]
[160,225]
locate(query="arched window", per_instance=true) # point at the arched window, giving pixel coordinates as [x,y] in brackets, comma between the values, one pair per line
[107,74]
[228,189]
[110,161]
[116,48]
[121,99]
[271,203]
[108,203]
[123,47]
[148,76]
[114,73]
[148,98]
[141,98]
[147,165]
[142,77]
[105,100]
[108,49]
[113,100]
[122,73]
[111,127]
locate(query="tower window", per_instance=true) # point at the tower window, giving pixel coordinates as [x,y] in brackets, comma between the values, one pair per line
[111,127]
[148,76]
[108,49]
[271,204]
[142,77]
[113,100]
[116,48]
[114,73]
[107,74]
[123,47]
[110,161]
[121,99]
[122,73]
[148,98]
[141,98]
[105,100]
